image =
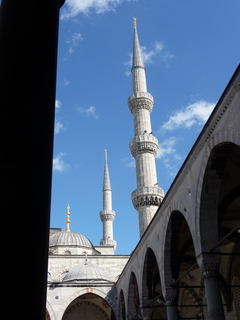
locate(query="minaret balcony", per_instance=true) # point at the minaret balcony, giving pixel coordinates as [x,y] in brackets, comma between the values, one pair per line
[145,143]
[140,100]
[147,196]
[107,215]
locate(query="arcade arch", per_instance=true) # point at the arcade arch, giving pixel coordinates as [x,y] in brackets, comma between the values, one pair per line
[121,307]
[134,310]
[219,223]
[153,304]
[180,264]
[89,306]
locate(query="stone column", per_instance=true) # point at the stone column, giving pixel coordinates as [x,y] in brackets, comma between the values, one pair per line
[212,289]
[171,297]
[172,310]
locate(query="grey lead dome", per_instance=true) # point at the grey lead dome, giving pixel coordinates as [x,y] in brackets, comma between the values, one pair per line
[69,238]
[86,272]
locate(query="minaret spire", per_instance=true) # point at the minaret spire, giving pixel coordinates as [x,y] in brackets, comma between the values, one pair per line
[107,215]
[144,145]
[68,219]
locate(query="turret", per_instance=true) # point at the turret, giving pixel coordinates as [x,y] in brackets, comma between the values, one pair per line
[148,195]
[107,215]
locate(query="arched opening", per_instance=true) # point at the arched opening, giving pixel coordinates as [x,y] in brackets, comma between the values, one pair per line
[182,274]
[121,307]
[153,304]
[134,311]
[220,223]
[89,306]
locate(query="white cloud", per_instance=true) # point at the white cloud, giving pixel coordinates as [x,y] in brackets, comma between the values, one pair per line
[167,153]
[89,112]
[58,126]
[74,7]
[66,82]
[194,114]
[73,42]
[150,56]
[59,164]
[57,105]
[166,147]
[129,162]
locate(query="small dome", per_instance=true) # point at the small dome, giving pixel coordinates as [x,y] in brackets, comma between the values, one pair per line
[86,272]
[69,238]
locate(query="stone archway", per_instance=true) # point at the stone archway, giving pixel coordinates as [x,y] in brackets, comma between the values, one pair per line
[89,306]
[121,307]
[153,304]
[179,263]
[134,311]
[218,222]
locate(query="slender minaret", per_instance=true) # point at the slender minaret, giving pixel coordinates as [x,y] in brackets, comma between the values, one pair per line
[144,145]
[107,215]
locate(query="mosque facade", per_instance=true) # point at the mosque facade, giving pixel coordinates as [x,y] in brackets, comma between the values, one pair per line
[187,262]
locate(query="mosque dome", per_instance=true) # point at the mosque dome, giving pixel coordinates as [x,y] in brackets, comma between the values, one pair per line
[85,272]
[69,238]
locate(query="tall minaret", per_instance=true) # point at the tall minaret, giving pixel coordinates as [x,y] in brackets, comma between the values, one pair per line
[144,145]
[107,215]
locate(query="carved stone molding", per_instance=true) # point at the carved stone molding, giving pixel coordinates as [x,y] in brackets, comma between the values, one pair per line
[140,100]
[107,215]
[144,147]
[147,196]
[146,201]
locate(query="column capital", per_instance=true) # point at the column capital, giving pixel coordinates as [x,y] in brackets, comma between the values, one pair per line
[170,295]
[209,263]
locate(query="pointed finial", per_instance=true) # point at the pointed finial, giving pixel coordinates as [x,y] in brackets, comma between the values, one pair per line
[134,22]
[105,154]
[68,219]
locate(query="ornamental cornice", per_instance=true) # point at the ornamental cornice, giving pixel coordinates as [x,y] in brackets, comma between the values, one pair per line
[144,144]
[147,196]
[140,100]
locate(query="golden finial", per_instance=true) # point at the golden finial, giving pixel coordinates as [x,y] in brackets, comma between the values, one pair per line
[134,22]
[68,219]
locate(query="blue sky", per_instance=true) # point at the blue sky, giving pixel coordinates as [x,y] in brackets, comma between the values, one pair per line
[190,48]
